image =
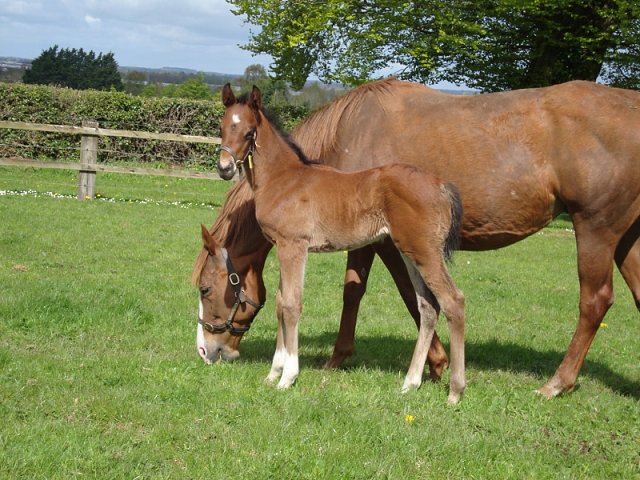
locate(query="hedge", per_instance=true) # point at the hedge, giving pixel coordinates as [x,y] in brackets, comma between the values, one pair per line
[117,110]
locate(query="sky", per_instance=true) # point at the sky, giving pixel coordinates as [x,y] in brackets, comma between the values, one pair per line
[201,35]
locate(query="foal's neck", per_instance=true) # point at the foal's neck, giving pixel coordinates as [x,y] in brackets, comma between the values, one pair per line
[274,156]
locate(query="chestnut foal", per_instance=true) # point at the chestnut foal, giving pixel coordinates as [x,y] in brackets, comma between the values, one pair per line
[303,206]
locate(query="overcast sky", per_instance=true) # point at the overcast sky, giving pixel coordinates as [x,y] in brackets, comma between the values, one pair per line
[197,34]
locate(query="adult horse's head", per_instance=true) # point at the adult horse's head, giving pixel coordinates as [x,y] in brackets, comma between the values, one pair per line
[238,130]
[231,295]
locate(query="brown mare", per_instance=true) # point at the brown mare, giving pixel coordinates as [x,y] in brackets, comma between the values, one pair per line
[303,206]
[519,159]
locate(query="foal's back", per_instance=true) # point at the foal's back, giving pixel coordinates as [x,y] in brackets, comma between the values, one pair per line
[344,210]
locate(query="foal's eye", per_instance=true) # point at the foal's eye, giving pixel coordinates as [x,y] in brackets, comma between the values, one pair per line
[204,291]
[250,135]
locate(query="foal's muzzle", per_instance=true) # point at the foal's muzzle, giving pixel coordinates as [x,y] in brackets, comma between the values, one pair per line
[228,170]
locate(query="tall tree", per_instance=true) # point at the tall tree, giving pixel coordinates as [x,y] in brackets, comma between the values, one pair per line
[486,44]
[74,68]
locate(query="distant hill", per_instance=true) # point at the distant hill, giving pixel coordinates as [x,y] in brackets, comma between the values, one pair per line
[11,69]
[175,75]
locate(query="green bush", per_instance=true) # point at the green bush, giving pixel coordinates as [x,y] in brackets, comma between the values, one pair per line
[116,110]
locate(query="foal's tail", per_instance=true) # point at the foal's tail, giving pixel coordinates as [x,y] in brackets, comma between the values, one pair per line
[453,237]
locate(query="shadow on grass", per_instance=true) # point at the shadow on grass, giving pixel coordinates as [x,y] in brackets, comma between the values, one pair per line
[393,354]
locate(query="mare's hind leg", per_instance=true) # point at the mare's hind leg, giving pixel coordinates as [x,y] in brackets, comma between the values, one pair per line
[355,284]
[595,271]
[627,258]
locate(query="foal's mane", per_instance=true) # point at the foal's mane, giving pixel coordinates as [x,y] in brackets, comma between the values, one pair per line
[274,121]
[318,134]
[236,225]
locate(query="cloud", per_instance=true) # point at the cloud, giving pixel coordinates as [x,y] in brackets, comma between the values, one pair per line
[197,34]
[92,21]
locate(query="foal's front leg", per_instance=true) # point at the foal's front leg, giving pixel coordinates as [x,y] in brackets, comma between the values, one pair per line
[292,257]
[277,365]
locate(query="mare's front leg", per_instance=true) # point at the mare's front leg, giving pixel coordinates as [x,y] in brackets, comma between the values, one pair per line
[292,257]
[355,284]
[595,271]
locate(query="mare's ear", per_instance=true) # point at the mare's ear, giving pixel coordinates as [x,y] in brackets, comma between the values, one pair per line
[207,241]
[228,98]
[255,99]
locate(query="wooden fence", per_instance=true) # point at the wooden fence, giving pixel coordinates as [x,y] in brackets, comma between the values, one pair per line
[88,167]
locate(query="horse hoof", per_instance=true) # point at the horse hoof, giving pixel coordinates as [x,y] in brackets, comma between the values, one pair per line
[408,386]
[333,362]
[552,388]
[284,385]
[454,398]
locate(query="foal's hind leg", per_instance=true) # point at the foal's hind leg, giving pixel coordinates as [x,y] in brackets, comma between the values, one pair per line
[389,254]
[433,273]
[427,306]
[451,300]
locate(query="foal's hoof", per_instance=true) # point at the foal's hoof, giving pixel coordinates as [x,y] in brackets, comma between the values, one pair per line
[285,384]
[454,398]
[408,386]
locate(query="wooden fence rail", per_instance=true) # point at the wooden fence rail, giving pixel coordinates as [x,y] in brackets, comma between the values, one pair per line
[88,167]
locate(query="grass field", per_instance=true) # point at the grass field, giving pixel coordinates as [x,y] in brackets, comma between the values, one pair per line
[99,377]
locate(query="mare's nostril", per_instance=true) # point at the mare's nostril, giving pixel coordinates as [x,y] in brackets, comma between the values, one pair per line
[202,352]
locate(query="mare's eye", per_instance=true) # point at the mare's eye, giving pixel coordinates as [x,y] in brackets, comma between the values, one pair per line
[250,135]
[204,291]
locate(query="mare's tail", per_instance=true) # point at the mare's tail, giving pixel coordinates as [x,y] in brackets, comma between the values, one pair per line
[453,237]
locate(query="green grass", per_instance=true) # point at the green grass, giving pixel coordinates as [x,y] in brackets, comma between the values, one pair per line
[99,377]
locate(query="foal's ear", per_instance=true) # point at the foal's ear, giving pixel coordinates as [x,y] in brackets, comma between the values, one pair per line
[207,241]
[255,99]
[228,98]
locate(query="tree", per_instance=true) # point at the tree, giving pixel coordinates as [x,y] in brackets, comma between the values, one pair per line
[74,68]
[486,44]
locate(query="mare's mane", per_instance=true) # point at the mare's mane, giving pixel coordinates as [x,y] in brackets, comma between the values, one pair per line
[318,134]
[235,226]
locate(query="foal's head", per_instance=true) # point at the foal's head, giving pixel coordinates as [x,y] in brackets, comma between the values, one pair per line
[238,129]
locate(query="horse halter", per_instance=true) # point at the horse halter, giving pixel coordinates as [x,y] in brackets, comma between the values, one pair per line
[239,163]
[241,297]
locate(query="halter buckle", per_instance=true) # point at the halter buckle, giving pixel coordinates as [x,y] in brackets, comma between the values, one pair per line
[234,279]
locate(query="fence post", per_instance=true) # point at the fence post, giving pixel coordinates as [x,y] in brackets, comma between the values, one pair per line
[88,156]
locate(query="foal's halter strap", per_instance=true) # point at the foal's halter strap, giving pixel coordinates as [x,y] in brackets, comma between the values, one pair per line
[248,157]
[241,297]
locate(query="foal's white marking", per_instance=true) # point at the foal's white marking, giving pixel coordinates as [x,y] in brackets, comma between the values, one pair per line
[277,366]
[235,118]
